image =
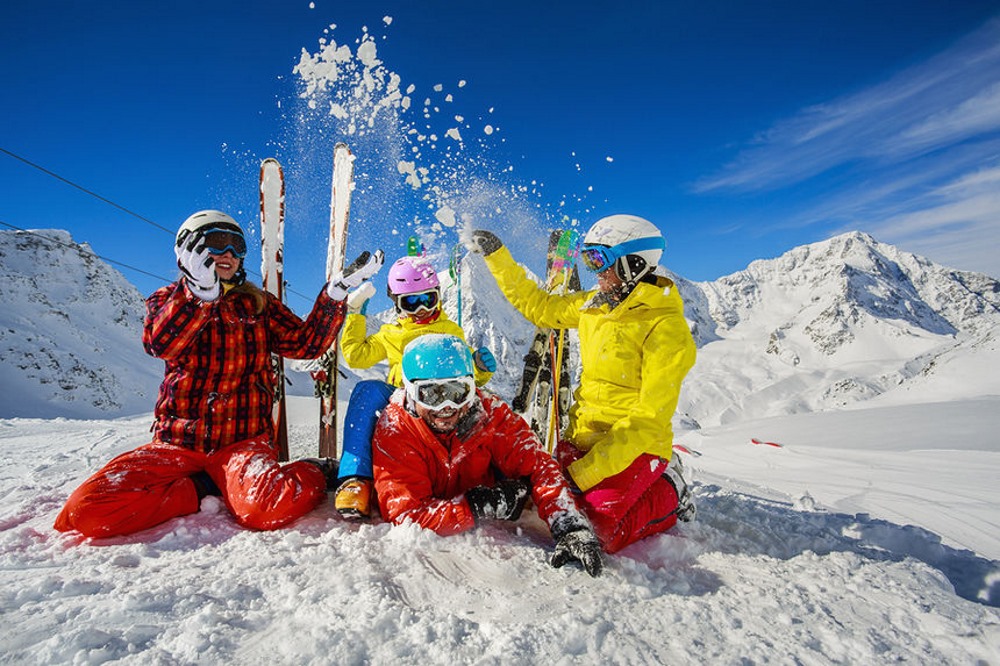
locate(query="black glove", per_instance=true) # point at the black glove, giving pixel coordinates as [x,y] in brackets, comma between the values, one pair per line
[575,540]
[504,501]
[483,242]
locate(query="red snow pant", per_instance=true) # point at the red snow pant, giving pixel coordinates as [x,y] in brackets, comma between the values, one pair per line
[152,484]
[635,503]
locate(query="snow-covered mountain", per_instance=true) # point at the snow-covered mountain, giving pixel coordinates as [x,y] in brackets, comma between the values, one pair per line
[830,324]
[70,332]
[822,327]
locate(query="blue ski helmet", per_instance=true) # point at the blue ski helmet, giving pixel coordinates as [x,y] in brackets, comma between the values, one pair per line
[436,356]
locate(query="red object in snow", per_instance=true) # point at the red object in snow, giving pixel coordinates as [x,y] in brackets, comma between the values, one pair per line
[759,441]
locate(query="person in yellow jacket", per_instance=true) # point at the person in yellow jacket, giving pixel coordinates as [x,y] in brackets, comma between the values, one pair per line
[635,349]
[416,292]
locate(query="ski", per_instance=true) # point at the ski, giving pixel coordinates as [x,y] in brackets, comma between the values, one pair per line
[272,242]
[326,378]
[546,365]
[691,452]
[563,277]
[455,271]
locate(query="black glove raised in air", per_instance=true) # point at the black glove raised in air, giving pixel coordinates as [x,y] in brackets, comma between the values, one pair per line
[483,242]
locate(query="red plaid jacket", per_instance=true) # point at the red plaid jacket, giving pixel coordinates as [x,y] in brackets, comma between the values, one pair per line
[218,384]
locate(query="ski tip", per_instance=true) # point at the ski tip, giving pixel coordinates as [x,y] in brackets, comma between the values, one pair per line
[270,164]
[761,442]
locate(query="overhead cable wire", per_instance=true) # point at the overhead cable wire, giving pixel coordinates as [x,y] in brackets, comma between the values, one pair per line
[84,189]
[75,246]
[123,209]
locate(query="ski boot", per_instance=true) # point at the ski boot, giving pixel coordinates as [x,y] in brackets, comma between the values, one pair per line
[353,498]
[686,510]
[329,467]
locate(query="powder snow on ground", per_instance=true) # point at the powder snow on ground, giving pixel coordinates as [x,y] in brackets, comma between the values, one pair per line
[880,551]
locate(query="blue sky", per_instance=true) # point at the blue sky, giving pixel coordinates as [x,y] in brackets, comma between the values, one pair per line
[741,131]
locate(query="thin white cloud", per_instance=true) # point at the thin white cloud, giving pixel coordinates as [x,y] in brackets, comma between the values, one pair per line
[917,159]
[977,115]
[953,97]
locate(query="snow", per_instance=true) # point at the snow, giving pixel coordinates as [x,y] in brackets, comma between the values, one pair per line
[866,577]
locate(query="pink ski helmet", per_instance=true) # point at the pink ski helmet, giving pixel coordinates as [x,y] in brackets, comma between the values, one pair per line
[411,275]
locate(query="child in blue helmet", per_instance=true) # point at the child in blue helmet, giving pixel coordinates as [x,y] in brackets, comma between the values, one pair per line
[448,456]
[415,290]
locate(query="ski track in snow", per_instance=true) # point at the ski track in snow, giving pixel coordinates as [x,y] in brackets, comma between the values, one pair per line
[754,580]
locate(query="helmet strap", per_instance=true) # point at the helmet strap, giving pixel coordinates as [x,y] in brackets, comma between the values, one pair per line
[630,269]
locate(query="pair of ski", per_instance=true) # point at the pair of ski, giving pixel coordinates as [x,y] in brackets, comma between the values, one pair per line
[272,221]
[543,398]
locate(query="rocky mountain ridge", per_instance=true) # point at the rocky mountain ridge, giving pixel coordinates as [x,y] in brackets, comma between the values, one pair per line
[823,326]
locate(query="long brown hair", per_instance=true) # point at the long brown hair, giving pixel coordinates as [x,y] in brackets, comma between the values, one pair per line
[254,292]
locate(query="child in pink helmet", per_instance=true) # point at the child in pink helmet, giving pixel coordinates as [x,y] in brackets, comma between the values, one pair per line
[415,290]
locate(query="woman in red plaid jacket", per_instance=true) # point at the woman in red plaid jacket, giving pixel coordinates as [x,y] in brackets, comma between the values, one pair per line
[213,432]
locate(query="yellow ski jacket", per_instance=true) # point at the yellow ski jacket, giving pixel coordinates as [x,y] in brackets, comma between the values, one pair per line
[363,351]
[634,358]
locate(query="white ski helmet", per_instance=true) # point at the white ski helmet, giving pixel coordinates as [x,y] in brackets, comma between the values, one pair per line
[204,220]
[646,241]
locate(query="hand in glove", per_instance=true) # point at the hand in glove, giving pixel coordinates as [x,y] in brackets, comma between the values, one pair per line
[361,269]
[575,540]
[357,300]
[483,242]
[484,360]
[504,501]
[198,266]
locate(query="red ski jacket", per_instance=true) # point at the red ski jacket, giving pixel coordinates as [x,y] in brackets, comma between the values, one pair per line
[421,476]
[218,386]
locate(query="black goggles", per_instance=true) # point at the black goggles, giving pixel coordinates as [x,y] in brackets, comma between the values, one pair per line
[220,241]
[437,394]
[424,300]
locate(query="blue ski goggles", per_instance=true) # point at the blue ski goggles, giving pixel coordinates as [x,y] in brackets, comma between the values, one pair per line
[437,394]
[424,300]
[219,241]
[600,258]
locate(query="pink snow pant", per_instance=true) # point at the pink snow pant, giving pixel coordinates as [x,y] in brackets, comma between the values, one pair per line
[631,505]
[152,484]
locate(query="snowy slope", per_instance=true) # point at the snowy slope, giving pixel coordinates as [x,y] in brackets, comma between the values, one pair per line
[763,576]
[70,332]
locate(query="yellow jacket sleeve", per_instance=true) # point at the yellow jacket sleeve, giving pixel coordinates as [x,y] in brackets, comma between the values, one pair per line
[534,303]
[360,350]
